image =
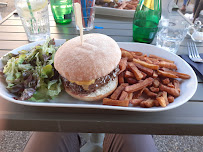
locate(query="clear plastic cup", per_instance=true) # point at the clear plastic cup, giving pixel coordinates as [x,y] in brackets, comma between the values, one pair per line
[35,18]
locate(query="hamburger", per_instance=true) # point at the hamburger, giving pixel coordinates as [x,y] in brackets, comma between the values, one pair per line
[89,71]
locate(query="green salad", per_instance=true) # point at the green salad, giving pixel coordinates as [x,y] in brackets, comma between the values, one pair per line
[31,75]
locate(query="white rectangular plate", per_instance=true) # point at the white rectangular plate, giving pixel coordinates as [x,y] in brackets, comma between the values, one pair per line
[114,12]
[188,87]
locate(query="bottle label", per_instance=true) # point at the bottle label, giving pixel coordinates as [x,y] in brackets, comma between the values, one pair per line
[149,4]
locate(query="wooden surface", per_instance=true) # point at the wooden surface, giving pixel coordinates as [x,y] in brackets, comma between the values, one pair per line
[6,9]
[184,120]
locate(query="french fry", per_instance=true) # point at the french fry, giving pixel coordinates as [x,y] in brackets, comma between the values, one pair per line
[161,101]
[153,89]
[122,64]
[130,96]
[168,65]
[145,64]
[140,80]
[148,71]
[156,103]
[160,58]
[136,53]
[160,94]
[121,78]
[143,58]
[155,74]
[136,102]
[170,85]
[130,7]
[144,75]
[164,69]
[140,57]
[118,91]
[149,93]
[131,80]
[146,59]
[129,74]
[111,102]
[126,54]
[176,84]
[180,75]
[124,96]
[154,61]
[148,103]
[166,74]
[172,91]
[142,104]
[156,83]
[170,99]
[139,86]
[165,81]
[137,94]
[165,97]
[122,49]
[138,75]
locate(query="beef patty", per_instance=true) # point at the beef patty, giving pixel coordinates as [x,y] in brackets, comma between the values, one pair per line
[98,83]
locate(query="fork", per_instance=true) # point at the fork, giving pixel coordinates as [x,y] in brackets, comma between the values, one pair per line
[193,53]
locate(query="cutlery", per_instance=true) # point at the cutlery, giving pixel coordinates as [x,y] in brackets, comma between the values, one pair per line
[193,52]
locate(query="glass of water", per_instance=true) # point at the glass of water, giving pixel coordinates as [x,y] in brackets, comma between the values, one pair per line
[171,34]
[35,18]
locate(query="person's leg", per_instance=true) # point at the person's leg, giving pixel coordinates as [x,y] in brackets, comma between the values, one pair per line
[185,2]
[197,8]
[53,142]
[183,9]
[128,143]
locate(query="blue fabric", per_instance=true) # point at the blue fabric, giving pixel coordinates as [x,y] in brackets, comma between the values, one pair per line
[185,2]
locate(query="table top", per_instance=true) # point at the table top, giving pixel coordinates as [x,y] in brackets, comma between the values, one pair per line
[184,120]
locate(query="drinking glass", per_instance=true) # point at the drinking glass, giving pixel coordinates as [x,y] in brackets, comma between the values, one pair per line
[62,11]
[171,34]
[35,18]
[88,13]
[196,31]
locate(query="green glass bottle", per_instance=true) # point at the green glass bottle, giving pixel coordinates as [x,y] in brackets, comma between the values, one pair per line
[62,11]
[146,20]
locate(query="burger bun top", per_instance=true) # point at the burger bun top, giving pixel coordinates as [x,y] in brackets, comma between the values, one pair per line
[96,57]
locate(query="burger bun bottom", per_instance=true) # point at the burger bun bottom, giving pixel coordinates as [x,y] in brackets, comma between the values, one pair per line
[99,94]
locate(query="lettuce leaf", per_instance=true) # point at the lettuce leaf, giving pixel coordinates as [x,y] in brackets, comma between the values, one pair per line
[31,74]
[47,71]
[54,88]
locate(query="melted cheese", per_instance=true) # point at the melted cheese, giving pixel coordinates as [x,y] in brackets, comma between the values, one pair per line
[85,87]
[83,82]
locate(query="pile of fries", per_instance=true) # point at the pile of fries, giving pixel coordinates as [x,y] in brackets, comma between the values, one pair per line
[145,81]
[128,5]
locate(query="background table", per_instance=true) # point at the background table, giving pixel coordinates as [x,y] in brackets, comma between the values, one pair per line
[184,120]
